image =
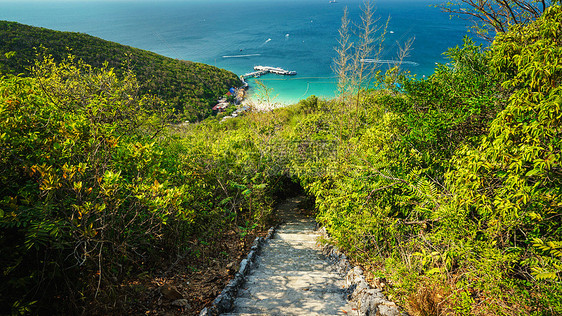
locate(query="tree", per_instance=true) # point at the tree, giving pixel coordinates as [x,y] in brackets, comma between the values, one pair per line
[511,184]
[495,16]
[359,47]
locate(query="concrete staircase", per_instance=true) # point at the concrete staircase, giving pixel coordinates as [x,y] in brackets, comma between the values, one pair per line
[291,276]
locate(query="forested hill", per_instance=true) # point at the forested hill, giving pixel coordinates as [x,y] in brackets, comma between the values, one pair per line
[189,87]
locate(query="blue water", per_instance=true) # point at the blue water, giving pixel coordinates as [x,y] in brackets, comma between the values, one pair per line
[296,35]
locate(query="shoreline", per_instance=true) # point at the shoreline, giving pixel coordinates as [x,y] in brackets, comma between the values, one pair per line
[261,106]
[289,91]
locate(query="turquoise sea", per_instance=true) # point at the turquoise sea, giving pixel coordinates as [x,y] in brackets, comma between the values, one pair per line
[297,35]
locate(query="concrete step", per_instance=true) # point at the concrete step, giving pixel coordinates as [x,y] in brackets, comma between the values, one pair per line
[283,305]
[244,314]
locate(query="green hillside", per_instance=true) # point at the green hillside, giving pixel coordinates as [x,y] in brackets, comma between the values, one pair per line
[189,87]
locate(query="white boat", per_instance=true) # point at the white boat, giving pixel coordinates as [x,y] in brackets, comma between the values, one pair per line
[275,70]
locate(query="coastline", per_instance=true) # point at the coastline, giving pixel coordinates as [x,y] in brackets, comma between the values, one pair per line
[259,105]
[288,91]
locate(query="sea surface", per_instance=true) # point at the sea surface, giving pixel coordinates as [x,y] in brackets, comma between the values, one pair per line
[237,35]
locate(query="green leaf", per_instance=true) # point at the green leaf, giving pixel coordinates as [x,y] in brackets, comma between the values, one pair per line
[433,271]
[547,275]
[532,172]
[224,201]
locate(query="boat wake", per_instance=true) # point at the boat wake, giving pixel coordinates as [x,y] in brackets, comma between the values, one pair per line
[267,41]
[389,62]
[241,56]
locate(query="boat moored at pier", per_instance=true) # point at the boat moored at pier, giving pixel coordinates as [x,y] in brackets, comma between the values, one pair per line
[275,70]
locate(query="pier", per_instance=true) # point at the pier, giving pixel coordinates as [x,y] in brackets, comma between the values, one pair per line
[262,70]
[255,74]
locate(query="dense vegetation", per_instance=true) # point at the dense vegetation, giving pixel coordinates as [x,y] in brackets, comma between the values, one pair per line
[449,187]
[190,88]
[94,190]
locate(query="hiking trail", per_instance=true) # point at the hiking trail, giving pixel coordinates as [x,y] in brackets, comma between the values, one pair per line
[291,275]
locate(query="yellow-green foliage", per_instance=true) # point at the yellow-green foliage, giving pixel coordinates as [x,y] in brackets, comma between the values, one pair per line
[508,187]
[453,183]
[448,186]
[94,189]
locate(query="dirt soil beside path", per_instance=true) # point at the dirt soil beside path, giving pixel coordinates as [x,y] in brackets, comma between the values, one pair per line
[189,284]
[186,286]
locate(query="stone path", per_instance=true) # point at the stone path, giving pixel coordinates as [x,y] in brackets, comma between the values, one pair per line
[291,276]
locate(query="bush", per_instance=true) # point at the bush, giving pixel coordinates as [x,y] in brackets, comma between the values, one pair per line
[86,194]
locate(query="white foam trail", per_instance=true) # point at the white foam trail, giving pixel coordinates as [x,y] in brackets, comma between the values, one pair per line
[267,41]
[386,61]
[241,56]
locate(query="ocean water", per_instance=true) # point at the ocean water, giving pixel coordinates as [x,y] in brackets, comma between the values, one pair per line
[237,35]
